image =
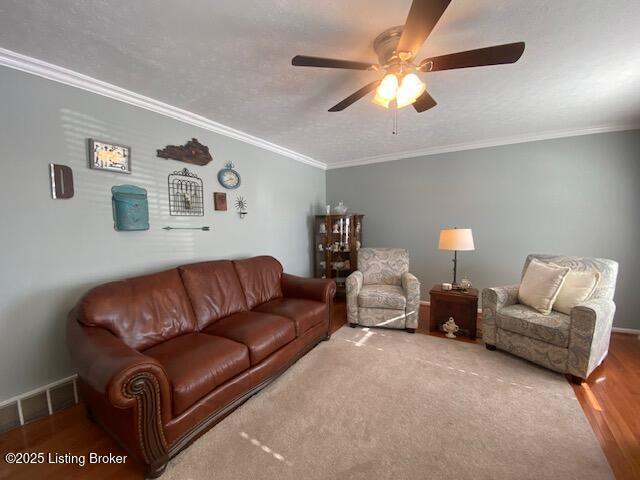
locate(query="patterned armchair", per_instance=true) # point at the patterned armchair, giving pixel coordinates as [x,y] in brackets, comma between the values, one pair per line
[382,293]
[574,344]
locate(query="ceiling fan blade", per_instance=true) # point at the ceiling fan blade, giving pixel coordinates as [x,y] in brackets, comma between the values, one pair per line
[305,61]
[424,102]
[497,55]
[354,97]
[422,18]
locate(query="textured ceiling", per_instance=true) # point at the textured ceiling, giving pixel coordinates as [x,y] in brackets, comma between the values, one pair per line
[230,62]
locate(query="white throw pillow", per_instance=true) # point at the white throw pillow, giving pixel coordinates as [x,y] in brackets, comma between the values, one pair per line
[576,289]
[541,284]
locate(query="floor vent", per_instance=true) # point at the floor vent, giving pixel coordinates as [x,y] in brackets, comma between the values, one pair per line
[38,403]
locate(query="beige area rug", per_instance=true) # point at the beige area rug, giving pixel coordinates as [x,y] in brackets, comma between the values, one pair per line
[383,404]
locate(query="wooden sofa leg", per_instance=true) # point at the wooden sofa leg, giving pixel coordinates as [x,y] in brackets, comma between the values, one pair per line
[353,325]
[490,347]
[410,330]
[576,380]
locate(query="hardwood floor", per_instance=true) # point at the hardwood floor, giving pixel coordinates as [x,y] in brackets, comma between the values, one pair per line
[610,400]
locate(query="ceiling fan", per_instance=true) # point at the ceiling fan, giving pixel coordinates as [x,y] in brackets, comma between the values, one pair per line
[396,49]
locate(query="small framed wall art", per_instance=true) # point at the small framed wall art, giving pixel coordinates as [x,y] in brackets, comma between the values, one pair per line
[220,201]
[109,156]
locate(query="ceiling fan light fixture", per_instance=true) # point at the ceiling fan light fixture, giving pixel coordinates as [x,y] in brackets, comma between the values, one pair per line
[386,91]
[412,87]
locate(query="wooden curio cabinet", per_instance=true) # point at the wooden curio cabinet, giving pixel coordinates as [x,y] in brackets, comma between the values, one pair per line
[337,241]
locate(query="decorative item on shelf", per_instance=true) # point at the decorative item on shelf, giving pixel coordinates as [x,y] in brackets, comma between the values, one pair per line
[185,194]
[220,201]
[109,156]
[336,246]
[450,328]
[241,206]
[130,208]
[191,152]
[228,177]
[465,283]
[338,265]
[328,209]
[204,229]
[456,239]
[61,178]
[446,286]
[341,208]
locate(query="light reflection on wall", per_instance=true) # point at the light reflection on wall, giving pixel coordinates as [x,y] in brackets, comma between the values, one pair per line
[149,172]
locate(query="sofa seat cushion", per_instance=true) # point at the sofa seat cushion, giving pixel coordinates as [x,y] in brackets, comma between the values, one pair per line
[304,313]
[262,333]
[197,363]
[552,328]
[382,296]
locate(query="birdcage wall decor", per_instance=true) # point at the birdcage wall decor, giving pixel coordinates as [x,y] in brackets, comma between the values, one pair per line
[185,194]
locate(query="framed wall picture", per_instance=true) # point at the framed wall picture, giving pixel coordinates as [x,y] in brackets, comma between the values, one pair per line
[220,201]
[109,156]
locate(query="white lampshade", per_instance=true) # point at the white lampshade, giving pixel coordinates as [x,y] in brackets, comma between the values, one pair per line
[456,239]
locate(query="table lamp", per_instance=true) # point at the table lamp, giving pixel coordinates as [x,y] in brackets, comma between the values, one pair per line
[456,239]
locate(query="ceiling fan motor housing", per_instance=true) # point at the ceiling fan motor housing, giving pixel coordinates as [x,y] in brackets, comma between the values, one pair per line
[385,45]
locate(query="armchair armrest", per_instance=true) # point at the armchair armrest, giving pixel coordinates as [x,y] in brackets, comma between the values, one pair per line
[353,287]
[494,299]
[411,287]
[319,289]
[112,368]
[589,335]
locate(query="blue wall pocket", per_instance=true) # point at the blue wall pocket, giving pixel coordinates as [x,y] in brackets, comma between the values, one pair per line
[130,208]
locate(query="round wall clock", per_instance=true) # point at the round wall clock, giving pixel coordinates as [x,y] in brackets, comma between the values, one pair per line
[228,177]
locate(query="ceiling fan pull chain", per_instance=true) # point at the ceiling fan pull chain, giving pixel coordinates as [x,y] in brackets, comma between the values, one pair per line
[395,122]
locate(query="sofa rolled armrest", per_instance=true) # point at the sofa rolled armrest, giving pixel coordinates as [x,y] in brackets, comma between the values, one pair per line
[353,286]
[112,368]
[589,335]
[494,299]
[318,289]
[411,287]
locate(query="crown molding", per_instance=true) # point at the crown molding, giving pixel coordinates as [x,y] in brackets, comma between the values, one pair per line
[71,78]
[496,142]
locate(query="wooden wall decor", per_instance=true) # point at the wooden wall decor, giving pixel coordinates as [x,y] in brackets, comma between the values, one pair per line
[220,201]
[61,181]
[191,152]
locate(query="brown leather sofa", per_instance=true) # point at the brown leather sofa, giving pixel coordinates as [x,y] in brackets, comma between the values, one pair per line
[163,357]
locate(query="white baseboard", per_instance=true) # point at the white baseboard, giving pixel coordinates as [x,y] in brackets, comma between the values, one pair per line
[630,331]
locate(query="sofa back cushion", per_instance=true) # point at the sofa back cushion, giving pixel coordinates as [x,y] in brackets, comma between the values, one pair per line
[214,290]
[383,266]
[142,311]
[260,278]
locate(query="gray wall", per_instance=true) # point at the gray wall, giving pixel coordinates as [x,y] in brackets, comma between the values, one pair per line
[52,251]
[575,196]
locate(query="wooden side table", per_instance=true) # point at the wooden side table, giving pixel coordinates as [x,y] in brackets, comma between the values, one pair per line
[462,305]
